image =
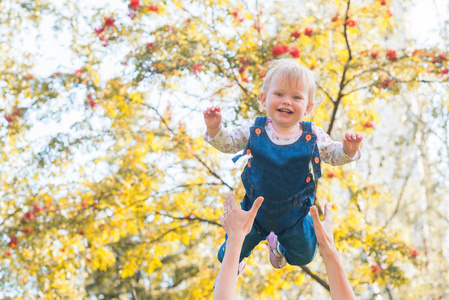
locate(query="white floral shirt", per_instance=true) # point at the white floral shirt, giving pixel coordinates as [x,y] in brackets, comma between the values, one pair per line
[233,139]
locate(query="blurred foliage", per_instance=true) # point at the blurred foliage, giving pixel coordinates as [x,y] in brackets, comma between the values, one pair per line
[124,201]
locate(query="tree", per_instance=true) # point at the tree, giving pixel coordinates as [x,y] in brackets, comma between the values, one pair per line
[124,201]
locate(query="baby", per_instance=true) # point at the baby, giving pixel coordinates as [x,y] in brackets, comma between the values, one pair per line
[284,157]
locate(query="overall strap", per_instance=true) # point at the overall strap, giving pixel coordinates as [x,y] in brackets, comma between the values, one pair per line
[260,122]
[307,126]
[316,162]
[316,159]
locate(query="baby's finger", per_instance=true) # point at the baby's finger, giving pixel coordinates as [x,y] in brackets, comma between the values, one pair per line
[353,136]
[348,136]
[359,137]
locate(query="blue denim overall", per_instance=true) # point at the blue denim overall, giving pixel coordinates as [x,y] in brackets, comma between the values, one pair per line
[282,175]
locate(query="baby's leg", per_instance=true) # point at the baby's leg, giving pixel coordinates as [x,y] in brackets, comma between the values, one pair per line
[298,243]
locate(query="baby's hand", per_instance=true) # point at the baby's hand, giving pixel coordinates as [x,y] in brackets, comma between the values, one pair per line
[212,118]
[351,143]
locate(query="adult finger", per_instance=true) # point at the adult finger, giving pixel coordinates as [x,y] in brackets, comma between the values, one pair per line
[231,201]
[327,213]
[225,205]
[256,205]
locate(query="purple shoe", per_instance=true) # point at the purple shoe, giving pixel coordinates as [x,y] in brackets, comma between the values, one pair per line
[242,266]
[276,258]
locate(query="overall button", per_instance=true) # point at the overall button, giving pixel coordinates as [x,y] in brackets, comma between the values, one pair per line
[249,165]
[248,152]
[258,131]
[308,179]
[317,160]
[308,137]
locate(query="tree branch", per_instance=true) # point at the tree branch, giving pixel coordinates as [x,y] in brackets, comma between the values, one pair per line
[343,77]
[314,276]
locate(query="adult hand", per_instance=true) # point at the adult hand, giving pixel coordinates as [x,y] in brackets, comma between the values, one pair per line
[338,281]
[323,230]
[235,220]
[238,224]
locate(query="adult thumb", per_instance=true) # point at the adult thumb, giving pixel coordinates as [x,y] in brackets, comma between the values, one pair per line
[256,205]
[314,214]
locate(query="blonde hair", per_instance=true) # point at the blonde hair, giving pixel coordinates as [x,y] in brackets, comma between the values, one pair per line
[292,71]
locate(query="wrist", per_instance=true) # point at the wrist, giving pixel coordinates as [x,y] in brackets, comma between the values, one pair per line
[236,238]
[212,131]
[350,153]
[214,127]
[329,252]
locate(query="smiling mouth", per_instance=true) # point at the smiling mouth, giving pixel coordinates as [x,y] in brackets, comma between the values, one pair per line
[283,110]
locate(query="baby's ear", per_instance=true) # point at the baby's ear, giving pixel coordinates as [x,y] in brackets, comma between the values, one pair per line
[262,98]
[309,107]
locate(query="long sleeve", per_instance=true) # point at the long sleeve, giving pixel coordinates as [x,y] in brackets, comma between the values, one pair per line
[231,139]
[332,152]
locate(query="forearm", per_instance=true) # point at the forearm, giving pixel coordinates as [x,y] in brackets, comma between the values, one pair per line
[338,281]
[229,140]
[332,152]
[226,288]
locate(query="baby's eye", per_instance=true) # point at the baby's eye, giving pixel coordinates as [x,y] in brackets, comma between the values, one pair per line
[278,94]
[297,98]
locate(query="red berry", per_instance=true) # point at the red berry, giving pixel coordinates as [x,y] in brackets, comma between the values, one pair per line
[331,174]
[108,22]
[277,50]
[294,52]
[153,8]
[376,269]
[134,4]
[351,23]
[369,124]
[13,243]
[30,215]
[391,55]
[308,31]
[196,68]
[296,34]
[9,118]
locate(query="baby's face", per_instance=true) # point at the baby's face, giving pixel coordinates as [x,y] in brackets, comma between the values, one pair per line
[287,102]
